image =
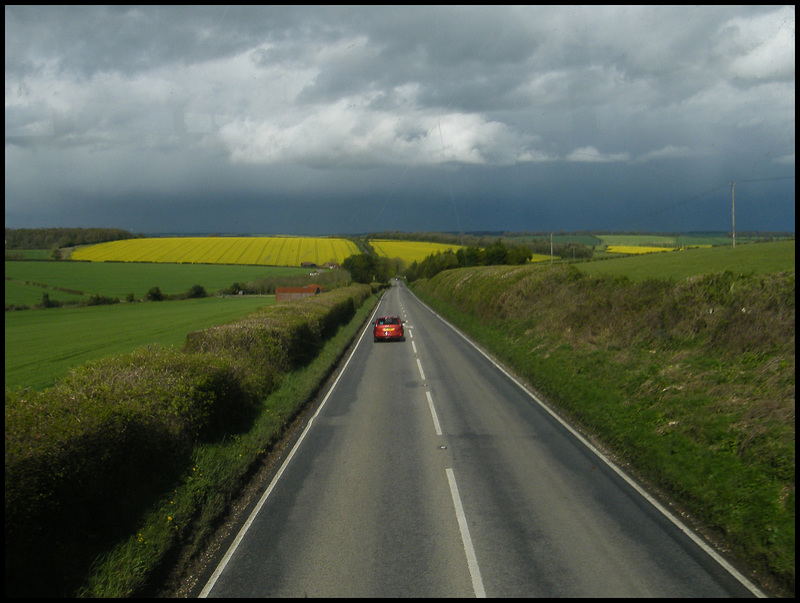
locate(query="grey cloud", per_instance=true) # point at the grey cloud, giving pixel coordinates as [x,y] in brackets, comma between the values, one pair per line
[549,113]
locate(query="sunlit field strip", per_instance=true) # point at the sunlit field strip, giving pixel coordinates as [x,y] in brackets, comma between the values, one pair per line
[265,251]
[643,240]
[637,250]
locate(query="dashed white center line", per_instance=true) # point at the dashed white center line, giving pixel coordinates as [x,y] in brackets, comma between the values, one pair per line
[472,560]
[435,417]
[421,373]
[466,539]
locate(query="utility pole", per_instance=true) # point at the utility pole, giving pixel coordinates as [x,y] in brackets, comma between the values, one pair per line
[551,247]
[733,218]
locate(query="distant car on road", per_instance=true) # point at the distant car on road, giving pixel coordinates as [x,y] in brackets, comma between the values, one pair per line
[388,328]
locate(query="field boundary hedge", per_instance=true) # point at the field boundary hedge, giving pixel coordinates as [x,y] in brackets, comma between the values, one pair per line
[87,457]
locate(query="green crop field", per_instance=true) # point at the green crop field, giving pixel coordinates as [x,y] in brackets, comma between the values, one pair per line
[583,239]
[758,258]
[22,294]
[42,345]
[26,281]
[29,254]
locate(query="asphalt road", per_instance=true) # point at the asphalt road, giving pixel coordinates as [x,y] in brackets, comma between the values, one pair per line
[429,472]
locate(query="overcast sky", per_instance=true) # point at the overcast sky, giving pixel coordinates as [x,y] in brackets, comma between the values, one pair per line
[339,120]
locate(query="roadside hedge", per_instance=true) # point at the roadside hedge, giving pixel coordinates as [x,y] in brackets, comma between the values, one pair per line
[85,458]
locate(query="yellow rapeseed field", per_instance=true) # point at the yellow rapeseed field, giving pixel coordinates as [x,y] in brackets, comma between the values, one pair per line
[637,249]
[262,251]
[409,251]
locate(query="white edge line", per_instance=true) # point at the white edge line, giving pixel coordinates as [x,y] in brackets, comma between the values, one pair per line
[435,417]
[240,536]
[677,522]
[472,560]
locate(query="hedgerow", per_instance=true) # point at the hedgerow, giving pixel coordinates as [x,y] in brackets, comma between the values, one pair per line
[86,458]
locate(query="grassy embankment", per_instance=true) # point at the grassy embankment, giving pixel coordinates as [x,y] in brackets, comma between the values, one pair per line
[135,457]
[690,381]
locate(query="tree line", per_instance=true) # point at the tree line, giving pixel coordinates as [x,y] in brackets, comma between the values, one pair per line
[368,267]
[57,238]
[496,254]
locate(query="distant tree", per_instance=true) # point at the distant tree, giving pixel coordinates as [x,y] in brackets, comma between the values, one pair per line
[519,254]
[49,303]
[496,254]
[362,267]
[101,300]
[471,255]
[154,294]
[196,291]
[47,238]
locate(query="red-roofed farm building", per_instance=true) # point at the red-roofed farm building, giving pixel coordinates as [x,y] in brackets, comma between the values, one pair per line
[284,294]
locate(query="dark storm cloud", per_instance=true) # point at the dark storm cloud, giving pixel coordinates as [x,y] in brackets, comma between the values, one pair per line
[326,119]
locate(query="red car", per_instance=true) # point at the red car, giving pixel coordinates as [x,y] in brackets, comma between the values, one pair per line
[388,328]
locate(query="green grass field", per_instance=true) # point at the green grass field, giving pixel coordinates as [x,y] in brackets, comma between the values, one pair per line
[119,279]
[42,345]
[757,258]
[30,254]
[600,241]
[23,294]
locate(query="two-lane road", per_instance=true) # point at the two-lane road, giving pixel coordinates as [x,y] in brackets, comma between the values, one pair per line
[428,472]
